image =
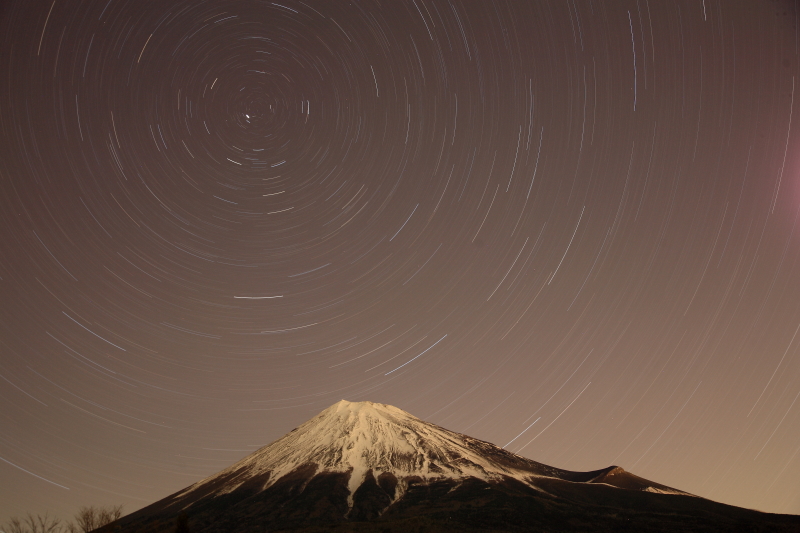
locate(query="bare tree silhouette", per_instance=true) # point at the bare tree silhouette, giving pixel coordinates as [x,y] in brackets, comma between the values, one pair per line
[90,518]
[87,519]
[34,524]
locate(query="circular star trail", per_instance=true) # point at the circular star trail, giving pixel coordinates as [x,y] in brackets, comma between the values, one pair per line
[570,228]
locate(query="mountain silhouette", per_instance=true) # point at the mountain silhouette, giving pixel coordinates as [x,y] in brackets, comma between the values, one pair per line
[363,466]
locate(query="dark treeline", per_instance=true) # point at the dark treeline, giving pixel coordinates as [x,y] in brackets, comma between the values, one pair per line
[85,520]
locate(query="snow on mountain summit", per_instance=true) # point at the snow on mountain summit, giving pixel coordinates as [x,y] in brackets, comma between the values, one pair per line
[380,467]
[366,437]
[363,436]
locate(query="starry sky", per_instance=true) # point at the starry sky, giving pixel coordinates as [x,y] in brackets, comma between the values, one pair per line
[569,228]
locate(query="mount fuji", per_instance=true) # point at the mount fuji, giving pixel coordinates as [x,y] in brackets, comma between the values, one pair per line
[363,466]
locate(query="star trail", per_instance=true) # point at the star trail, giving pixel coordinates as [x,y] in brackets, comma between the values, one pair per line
[569,226]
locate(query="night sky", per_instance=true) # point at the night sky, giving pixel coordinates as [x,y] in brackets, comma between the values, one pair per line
[566,227]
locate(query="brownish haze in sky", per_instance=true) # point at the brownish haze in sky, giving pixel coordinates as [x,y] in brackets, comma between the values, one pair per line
[220,217]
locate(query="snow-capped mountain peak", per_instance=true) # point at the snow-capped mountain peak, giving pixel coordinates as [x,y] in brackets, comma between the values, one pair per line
[360,438]
[364,462]
[363,436]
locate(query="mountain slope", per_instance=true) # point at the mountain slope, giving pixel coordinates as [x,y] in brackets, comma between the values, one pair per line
[362,465]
